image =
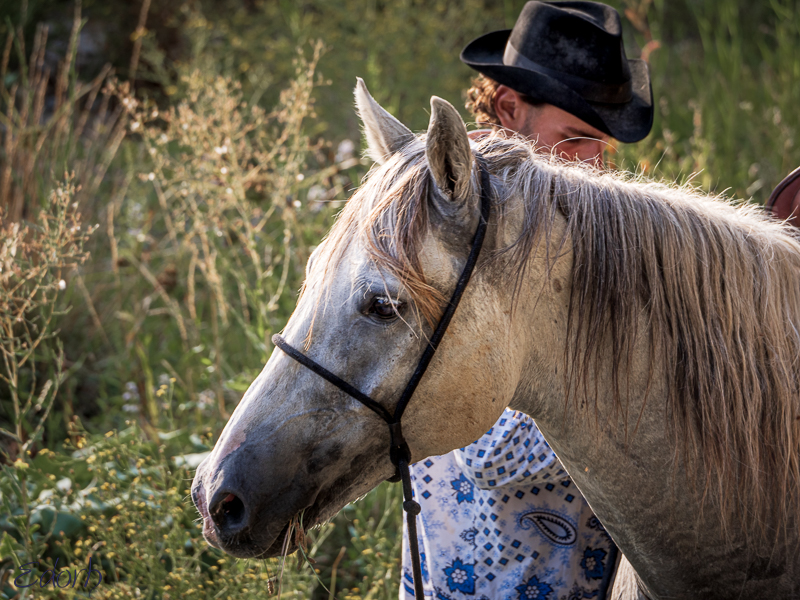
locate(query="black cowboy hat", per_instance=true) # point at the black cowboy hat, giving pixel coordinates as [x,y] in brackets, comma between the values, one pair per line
[570,54]
[784,202]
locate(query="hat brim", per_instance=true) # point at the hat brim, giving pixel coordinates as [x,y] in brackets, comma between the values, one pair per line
[629,122]
[782,200]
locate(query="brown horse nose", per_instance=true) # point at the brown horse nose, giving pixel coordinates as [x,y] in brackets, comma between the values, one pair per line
[228,512]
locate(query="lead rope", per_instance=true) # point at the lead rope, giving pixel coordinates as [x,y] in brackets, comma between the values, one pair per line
[399,452]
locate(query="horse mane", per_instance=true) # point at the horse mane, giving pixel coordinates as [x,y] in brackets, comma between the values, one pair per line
[719,283]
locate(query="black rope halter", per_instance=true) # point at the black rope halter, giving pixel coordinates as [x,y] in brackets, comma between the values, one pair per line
[399,452]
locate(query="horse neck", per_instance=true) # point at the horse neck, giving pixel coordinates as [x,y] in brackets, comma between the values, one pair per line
[649,259]
[620,457]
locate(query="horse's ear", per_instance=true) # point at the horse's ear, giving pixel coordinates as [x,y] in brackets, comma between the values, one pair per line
[385,134]
[448,152]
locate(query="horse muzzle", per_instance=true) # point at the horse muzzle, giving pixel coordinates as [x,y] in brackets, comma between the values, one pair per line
[249,497]
[247,500]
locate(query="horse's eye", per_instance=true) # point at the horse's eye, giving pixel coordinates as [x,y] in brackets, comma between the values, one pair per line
[384,308]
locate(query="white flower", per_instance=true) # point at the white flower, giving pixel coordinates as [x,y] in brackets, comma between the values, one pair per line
[317,193]
[62,285]
[224,170]
[344,150]
[206,399]
[151,176]
[300,177]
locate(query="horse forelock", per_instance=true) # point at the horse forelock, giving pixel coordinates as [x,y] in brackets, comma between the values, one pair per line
[387,217]
[718,282]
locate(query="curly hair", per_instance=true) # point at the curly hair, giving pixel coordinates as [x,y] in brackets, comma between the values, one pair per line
[480,101]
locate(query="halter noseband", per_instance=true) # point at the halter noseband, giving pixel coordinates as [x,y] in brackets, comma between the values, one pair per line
[399,452]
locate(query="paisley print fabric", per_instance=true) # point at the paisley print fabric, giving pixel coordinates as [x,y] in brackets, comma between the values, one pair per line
[501,520]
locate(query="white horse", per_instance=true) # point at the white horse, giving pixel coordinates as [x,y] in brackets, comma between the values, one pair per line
[652,332]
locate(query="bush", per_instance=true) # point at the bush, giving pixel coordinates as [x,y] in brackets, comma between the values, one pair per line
[118,503]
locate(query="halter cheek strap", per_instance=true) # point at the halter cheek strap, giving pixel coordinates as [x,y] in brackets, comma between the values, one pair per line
[399,452]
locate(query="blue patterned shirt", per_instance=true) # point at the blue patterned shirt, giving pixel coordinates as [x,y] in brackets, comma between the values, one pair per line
[501,520]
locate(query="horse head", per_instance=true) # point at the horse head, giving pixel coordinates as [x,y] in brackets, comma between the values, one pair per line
[374,291]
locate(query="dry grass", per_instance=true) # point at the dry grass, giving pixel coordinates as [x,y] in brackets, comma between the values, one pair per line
[209,228]
[51,123]
[34,260]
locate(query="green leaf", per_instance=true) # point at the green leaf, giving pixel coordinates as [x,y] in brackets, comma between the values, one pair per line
[65,524]
[9,547]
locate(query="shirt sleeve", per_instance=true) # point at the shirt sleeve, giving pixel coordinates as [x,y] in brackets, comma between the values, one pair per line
[513,452]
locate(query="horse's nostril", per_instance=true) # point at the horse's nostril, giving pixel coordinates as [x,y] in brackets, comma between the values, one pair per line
[232,507]
[229,514]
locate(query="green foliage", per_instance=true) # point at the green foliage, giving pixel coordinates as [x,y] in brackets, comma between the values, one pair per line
[121,500]
[406,50]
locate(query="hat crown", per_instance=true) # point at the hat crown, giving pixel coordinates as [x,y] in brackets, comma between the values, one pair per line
[583,39]
[570,55]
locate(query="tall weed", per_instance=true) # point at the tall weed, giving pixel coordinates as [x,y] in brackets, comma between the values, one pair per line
[52,123]
[35,258]
[205,237]
[42,240]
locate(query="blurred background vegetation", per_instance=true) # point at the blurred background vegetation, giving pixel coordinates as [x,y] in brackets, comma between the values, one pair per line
[167,167]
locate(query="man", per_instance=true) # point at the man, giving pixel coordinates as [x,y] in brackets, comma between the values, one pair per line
[500,518]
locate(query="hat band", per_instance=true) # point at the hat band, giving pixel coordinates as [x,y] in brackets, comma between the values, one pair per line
[589,90]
